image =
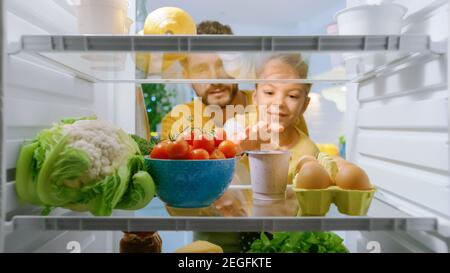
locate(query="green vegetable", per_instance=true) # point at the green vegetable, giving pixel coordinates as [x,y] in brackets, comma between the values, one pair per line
[84,165]
[144,145]
[139,192]
[299,242]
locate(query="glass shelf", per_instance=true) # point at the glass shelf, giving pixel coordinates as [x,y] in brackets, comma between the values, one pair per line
[212,43]
[247,215]
[161,59]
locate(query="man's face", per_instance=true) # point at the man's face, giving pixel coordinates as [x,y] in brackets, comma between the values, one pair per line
[210,66]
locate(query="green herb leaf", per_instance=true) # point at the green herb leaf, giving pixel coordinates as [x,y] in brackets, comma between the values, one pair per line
[299,242]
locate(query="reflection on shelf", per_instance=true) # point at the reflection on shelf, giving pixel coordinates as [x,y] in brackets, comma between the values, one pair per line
[163,59]
[252,216]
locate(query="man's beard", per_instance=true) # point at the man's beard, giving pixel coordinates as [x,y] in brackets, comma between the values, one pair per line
[231,95]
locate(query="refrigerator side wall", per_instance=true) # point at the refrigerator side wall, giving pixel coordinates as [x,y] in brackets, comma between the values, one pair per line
[35,96]
[399,132]
[2,172]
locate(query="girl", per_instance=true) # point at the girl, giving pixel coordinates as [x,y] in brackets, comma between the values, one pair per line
[279,107]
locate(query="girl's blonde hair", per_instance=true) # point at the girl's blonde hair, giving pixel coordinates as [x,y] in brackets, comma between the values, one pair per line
[294,60]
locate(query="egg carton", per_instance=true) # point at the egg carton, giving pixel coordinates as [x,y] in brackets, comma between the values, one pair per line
[316,202]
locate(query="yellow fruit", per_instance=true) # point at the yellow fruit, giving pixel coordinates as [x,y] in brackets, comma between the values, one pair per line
[352,177]
[312,176]
[170,21]
[200,247]
[330,149]
[143,60]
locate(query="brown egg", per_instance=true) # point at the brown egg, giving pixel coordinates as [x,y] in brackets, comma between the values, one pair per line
[352,177]
[312,176]
[303,160]
[339,161]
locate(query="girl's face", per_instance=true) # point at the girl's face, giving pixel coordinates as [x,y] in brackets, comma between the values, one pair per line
[284,102]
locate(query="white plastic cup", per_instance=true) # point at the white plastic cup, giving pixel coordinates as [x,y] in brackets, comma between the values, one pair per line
[110,61]
[269,174]
[102,16]
[269,208]
[384,19]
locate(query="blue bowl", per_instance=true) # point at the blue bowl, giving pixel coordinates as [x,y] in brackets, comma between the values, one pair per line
[190,183]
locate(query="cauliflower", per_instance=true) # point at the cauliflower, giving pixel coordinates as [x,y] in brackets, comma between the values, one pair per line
[86,165]
[103,145]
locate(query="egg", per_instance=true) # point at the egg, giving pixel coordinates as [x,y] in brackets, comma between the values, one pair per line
[312,176]
[304,159]
[352,177]
[340,161]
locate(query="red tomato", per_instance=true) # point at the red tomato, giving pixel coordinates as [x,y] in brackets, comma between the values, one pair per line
[188,136]
[219,136]
[199,154]
[178,149]
[160,151]
[204,142]
[228,148]
[189,154]
[216,154]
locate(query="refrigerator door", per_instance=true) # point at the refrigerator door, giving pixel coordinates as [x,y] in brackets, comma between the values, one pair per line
[398,132]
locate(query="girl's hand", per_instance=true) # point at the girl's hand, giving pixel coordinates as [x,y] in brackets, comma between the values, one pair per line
[261,136]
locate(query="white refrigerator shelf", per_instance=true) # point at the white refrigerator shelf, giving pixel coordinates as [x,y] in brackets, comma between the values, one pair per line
[110,58]
[206,43]
[222,224]
[381,217]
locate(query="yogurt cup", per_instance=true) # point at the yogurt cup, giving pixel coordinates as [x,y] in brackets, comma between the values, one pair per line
[371,20]
[101,16]
[261,208]
[269,174]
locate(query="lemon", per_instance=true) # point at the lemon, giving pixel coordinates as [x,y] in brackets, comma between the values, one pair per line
[152,62]
[330,149]
[165,21]
[169,20]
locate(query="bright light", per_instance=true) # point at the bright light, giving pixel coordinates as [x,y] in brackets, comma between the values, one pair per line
[336,94]
[315,98]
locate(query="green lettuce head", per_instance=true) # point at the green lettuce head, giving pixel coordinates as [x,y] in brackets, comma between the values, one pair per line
[84,165]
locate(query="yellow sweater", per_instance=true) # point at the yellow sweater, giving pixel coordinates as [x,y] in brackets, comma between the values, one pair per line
[191,114]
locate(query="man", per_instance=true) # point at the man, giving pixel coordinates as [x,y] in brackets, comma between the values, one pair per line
[218,95]
[205,66]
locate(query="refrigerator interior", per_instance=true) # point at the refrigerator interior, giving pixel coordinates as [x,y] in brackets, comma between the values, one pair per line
[395,122]
[36,94]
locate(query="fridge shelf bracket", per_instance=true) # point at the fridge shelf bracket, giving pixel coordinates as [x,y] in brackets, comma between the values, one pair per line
[397,65]
[439,47]
[436,50]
